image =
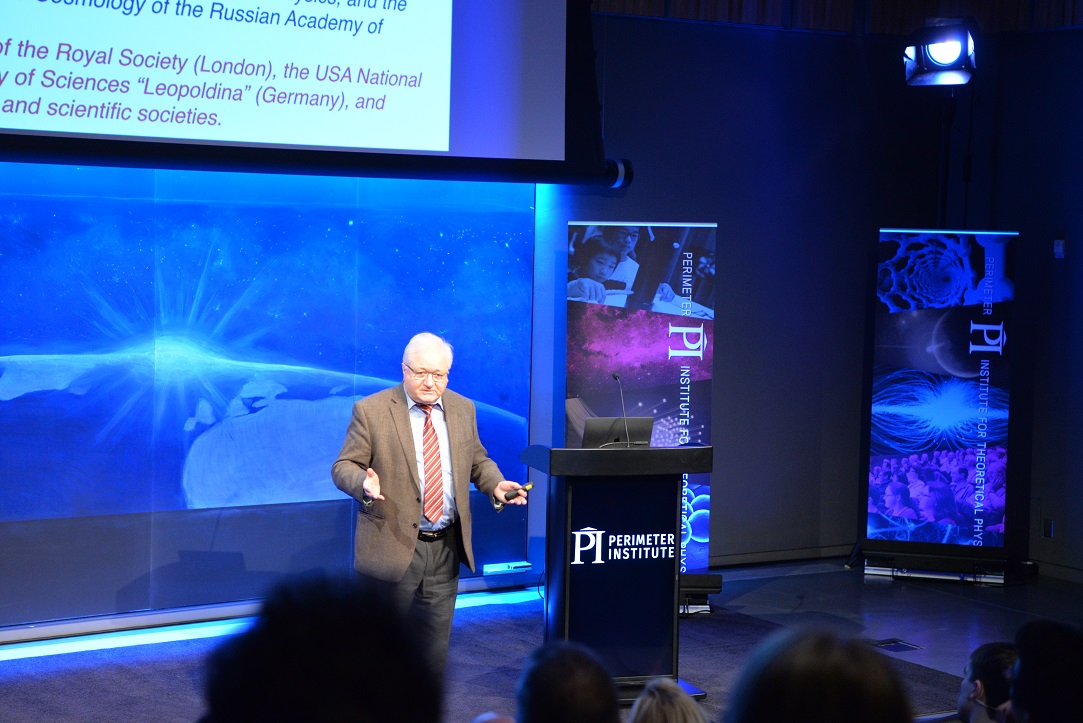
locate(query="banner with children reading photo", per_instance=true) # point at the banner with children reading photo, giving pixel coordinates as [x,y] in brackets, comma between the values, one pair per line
[641,307]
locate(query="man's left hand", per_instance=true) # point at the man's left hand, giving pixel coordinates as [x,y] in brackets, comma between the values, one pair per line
[507,486]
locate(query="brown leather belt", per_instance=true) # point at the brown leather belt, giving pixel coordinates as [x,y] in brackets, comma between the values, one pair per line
[434,535]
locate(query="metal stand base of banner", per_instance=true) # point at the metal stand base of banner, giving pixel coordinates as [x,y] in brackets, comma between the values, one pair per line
[931,567]
[693,597]
[628,692]
[697,693]
[987,578]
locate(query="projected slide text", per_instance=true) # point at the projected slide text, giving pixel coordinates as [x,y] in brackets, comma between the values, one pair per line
[333,74]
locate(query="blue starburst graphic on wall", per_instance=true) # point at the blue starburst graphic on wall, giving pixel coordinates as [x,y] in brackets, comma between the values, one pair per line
[161,354]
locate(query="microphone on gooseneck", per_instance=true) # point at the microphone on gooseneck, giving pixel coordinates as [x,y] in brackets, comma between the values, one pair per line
[623,411]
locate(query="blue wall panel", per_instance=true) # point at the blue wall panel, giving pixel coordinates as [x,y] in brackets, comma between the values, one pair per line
[178,341]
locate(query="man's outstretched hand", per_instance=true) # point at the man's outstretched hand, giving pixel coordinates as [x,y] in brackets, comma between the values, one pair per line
[371,483]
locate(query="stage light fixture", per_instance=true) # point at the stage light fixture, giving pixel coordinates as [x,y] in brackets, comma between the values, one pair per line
[940,55]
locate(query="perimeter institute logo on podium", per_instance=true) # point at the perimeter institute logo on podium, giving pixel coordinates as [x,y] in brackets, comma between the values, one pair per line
[591,546]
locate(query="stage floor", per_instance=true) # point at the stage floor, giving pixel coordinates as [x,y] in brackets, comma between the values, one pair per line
[945,620]
[936,625]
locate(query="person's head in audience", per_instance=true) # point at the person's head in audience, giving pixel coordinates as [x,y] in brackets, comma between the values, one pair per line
[1049,666]
[996,476]
[323,648]
[936,503]
[985,684]
[662,700]
[622,238]
[959,477]
[897,500]
[817,676]
[565,682]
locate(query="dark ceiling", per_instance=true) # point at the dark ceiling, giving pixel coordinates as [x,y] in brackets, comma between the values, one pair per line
[878,17]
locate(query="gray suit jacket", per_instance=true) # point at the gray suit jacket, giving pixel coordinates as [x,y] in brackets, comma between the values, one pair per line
[379,436]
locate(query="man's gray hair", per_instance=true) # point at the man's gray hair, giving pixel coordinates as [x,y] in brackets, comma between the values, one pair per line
[425,340]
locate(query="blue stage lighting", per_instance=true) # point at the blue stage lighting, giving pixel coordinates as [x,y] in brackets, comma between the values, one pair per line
[935,55]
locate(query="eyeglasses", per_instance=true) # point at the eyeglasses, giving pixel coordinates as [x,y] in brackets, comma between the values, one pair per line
[437,377]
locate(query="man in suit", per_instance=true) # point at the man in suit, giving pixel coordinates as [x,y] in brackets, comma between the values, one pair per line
[410,454]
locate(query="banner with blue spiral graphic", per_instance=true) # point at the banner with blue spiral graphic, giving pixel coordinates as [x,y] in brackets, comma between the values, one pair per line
[938,442]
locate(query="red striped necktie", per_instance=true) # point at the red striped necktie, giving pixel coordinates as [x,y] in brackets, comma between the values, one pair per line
[433,504]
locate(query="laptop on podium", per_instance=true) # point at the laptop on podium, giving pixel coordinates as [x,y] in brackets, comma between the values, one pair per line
[601,432]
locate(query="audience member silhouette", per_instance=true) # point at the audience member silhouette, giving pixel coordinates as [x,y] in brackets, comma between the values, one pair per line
[327,649]
[1049,667]
[815,676]
[565,682]
[662,700]
[985,685]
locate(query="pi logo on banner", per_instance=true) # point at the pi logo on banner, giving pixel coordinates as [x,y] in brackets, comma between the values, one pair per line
[693,341]
[993,337]
[586,540]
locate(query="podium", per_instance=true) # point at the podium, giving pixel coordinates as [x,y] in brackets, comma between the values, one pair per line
[613,546]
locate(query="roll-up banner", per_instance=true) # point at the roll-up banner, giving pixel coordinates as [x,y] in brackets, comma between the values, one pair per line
[941,378]
[641,344]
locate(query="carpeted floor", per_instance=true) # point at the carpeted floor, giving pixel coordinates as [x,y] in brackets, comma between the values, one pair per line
[489,645]
[162,682]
